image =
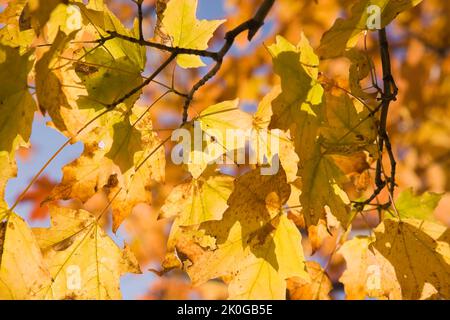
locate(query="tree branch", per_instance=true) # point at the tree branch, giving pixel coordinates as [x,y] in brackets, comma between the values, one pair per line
[140,18]
[252,25]
[143,84]
[160,46]
[388,95]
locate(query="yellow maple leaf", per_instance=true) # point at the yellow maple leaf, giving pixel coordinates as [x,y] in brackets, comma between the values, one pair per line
[407,244]
[186,31]
[23,272]
[253,231]
[318,288]
[344,33]
[17,106]
[202,199]
[219,129]
[8,171]
[83,260]
[267,143]
[122,159]
[367,274]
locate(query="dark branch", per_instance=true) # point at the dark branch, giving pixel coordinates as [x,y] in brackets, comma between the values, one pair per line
[160,46]
[140,18]
[252,25]
[143,84]
[388,95]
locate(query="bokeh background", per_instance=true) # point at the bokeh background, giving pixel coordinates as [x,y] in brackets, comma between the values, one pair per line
[419,121]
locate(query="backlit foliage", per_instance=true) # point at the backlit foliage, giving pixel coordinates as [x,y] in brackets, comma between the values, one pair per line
[362,194]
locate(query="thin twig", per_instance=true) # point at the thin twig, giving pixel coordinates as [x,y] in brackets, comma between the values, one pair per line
[143,84]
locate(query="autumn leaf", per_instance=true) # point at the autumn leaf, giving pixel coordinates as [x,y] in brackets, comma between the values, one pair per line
[255,232]
[344,34]
[83,260]
[202,199]
[321,187]
[23,271]
[406,245]
[318,288]
[36,195]
[123,168]
[75,84]
[17,30]
[298,108]
[223,128]
[409,205]
[267,143]
[8,171]
[17,105]
[221,117]
[180,23]
[349,127]
[368,273]
[50,89]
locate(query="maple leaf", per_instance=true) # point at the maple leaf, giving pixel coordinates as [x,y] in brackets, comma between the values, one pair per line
[16,103]
[224,116]
[49,86]
[74,84]
[267,143]
[406,245]
[321,180]
[8,171]
[217,124]
[344,33]
[367,272]
[17,30]
[349,127]
[39,192]
[202,199]
[318,288]
[322,126]
[409,205]
[16,112]
[105,165]
[104,21]
[360,69]
[298,108]
[301,94]
[255,232]
[83,260]
[180,23]
[23,272]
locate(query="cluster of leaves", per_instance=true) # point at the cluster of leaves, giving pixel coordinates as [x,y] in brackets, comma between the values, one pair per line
[83,67]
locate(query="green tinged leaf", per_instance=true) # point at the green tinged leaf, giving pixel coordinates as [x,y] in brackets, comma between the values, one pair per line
[410,205]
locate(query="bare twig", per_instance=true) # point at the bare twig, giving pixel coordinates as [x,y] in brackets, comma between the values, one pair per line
[140,18]
[143,84]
